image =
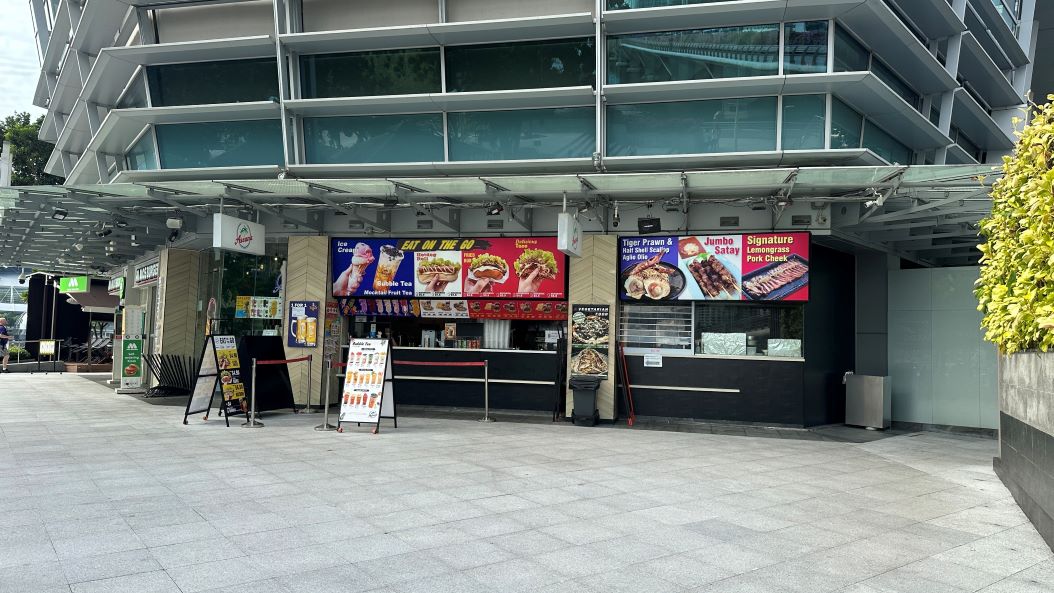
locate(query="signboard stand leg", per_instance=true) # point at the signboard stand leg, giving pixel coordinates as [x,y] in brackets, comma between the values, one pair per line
[328,369]
[486,393]
[252,422]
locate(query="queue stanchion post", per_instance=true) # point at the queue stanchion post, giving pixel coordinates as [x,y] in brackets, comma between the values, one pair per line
[486,393]
[252,422]
[326,426]
[310,385]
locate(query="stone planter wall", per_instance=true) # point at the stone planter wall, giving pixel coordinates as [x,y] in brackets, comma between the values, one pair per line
[1026,435]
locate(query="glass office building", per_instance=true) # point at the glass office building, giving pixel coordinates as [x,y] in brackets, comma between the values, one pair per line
[327,88]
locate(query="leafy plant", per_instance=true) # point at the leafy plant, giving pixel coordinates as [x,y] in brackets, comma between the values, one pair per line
[1016,288]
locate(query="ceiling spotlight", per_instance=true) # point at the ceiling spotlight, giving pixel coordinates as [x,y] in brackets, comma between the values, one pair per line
[174,222]
[105,233]
[495,209]
[60,213]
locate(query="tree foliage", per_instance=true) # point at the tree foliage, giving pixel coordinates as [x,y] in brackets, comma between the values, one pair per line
[1016,288]
[30,152]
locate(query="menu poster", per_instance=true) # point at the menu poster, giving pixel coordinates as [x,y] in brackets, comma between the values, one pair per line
[302,325]
[754,267]
[506,267]
[241,307]
[219,363]
[590,338]
[364,383]
[444,309]
[540,310]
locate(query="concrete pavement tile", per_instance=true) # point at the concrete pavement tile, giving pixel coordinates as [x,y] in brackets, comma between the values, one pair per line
[187,553]
[344,578]
[147,582]
[514,576]
[93,568]
[389,570]
[465,555]
[174,534]
[685,570]
[25,577]
[581,532]
[26,554]
[577,561]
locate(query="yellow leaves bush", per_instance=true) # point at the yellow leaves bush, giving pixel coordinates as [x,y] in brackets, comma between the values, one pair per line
[1016,288]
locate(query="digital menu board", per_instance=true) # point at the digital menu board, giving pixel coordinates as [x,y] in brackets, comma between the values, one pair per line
[453,268]
[750,267]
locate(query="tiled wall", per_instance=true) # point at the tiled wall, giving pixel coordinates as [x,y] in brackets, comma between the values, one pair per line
[943,371]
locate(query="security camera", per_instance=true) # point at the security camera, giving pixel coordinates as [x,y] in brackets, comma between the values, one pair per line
[174,222]
[173,236]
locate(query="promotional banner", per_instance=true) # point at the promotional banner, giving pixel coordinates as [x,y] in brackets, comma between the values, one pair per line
[749,267]
[541,310]
[131,363]
[302,325]
[456,308]
[590,337]
[229,367]
[523,267]
[364,383]
[255,307]
[235,234]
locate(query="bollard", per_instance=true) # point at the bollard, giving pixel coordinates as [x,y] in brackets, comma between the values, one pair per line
[310,385]
[328,369]
[486,393]
[252,423]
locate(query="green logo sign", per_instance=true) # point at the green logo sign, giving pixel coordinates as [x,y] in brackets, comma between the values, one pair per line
[74,284]
[131,362]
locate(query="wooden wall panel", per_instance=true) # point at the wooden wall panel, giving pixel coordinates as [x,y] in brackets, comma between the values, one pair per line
[593,282]
[307,279]
[179,328]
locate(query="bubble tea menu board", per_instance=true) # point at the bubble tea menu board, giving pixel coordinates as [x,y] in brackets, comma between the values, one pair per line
[365,380]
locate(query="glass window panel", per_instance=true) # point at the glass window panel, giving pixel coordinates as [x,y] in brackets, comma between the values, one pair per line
[374,139]
[627,4]
[666,327]
[757,323]
[692,127]
[803,121]
[895,82]
[220,144]
[525,134]
[531,65]
[203,83]
[135,94]
[694,54]
[846,125]
[849,54]
[142,156]
[884,145]
[805,47]
[396,72]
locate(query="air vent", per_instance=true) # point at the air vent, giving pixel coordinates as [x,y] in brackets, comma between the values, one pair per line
[729,221]
[356,224]
[424,224]
[495,223]
[801,219]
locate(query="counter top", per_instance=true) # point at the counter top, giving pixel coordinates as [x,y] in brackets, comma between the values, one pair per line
[472,350]
[727,357]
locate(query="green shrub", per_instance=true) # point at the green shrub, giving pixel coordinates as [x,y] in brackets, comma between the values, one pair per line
[1016,288]
[16,350]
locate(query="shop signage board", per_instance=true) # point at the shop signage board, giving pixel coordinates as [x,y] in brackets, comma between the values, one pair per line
[302,324]
[147,273]
[131,352]
[74,284]
[240,236]
[569,234]
[219,366]
[653,360]
[456,308]
[115,287]
[506,267]
[750,267]
[367,395]
[590,338]
[46,348]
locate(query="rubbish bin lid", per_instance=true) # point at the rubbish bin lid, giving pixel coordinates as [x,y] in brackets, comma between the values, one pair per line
[585,381]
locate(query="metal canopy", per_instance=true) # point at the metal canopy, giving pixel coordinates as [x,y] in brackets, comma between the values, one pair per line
[927,213]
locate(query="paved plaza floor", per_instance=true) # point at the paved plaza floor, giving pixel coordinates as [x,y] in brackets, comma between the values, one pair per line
[103,493]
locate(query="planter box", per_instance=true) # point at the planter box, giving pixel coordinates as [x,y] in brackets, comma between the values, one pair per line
[1026,435]
[77,367]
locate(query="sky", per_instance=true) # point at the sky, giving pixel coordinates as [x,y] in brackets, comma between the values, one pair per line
[18,59]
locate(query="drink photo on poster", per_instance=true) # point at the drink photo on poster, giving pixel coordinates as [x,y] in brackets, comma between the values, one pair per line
[371,267]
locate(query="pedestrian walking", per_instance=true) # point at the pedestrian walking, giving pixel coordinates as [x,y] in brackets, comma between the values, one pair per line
[5,340]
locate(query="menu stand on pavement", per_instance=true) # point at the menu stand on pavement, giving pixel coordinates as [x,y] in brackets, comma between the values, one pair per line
[219,367]
[368,396]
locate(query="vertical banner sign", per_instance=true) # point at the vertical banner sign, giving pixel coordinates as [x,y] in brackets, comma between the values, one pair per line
[302,324]
[132,342]
[367,381]
[590,336]
[229,367]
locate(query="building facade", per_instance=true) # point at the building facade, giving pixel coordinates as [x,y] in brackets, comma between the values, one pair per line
[324,88]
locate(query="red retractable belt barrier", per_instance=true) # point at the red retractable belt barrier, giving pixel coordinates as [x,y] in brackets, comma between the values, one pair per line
[265,362]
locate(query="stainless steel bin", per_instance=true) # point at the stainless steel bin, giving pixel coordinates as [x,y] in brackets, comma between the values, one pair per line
[868,401]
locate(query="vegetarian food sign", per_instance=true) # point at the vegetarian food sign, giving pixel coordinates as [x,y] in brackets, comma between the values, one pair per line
[752,267]
[590,336]
[524,268]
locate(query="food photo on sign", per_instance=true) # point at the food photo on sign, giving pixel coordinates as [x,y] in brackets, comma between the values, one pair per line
[438,273]
[590,337]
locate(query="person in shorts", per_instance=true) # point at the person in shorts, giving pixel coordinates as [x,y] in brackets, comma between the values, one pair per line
[5,339]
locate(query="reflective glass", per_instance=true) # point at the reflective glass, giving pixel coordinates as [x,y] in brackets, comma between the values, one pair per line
[884,145]
[895,82]
[203,83]
[803,121]
[692,127]
[396,72]
[530,65]
[805,47]
[526,134]
[135,94]
[220,144]
[374,139]
[694,54]
[142,156]
[846,125]
[849,54]
[757,324]
[627,4]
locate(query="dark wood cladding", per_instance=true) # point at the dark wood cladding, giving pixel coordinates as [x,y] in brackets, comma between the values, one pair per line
[770,392]
[1025,462]
[503,365]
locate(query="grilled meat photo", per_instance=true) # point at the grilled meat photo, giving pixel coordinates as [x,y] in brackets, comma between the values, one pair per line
[712,276]
[777,277]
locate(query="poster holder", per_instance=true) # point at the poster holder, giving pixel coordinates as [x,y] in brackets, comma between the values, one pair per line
[219,370]
[365,399]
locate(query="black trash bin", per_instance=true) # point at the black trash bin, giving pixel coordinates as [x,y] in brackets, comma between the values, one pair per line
[585,399]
